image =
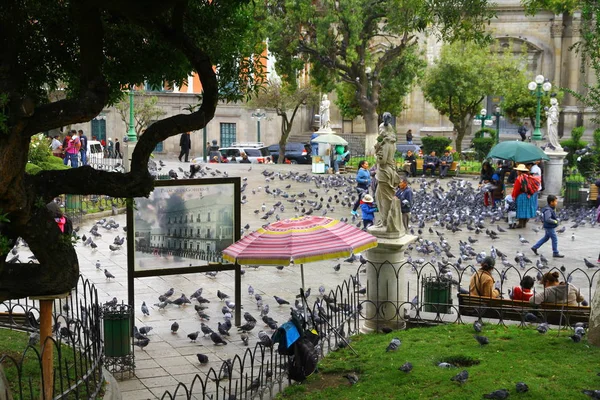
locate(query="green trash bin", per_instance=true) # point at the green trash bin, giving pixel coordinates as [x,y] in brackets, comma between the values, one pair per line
[437,295]
[572,192]
[73,202]
[117,331]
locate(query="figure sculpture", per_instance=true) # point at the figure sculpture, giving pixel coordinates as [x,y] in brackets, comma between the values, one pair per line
[552,134]
[324,111]
[387,176]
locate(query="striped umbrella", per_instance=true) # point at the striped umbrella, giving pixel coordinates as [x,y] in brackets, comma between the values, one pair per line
[299,240]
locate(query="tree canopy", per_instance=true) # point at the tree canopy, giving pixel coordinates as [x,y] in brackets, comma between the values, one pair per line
[91,50]
[461,78]
[366,44]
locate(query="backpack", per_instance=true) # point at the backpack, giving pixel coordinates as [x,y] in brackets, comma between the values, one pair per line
[305,360]
[347,158]
[529,185]
[68,228]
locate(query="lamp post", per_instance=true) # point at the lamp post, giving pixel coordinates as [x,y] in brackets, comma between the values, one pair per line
[258,115]
[497,114]
[131,136]
[483,118]
[538,87]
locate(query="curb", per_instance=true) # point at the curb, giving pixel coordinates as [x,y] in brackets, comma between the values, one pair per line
[111,389]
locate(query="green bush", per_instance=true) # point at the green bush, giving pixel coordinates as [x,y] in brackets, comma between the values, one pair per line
[571,147]
[482,146]
[32,169]
[50,166]
[577,133]
[39,148]
[54,160]
[435,143]
[481,133]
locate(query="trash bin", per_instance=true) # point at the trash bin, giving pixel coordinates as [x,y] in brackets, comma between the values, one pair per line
[117,330]
[437,295]
[73,202]
[572,192]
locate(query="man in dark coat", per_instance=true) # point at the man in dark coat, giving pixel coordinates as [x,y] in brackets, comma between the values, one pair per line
[185,142]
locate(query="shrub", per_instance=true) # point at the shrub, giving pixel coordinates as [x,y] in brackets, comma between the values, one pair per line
[481,133]
[54,160]
[32,169]
[482,146]
[50,166]
[39,148]
[571,146]
[435,143]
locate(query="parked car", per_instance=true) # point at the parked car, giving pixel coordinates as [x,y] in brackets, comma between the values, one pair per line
[256,151]
[296,153]
[404,148]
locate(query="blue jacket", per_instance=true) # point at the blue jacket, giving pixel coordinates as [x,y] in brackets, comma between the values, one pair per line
[406,194]
[549,217]
[368,211]
[363,178]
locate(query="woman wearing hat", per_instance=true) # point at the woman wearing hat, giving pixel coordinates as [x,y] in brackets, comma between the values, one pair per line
[368,210]
[526,204]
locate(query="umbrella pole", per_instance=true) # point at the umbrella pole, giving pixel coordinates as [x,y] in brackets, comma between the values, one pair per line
[302,291]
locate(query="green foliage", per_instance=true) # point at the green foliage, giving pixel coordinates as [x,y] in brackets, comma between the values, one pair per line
[461,78]
[39,149]
[570,146]
[54,160]
[497,365]
[577,133]
[435,143]
[51,165]
[32,169]
[145,110]
[482,146]
[342,42]
[481,133]
[346,100]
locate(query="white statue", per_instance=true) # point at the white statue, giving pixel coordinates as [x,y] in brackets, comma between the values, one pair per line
[324,111]
[552,133]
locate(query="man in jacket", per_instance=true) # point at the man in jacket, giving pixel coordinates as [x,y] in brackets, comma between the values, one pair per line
[550,223]
[185,142]
[405,195]
[430,162]
[445,162]
[410,163]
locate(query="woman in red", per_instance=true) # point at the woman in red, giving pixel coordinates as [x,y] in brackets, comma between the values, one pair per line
[524,291]
[526,203]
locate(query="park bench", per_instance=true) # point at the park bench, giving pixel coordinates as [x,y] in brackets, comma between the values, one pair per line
[508,309]
[593,194]
[13,318]
[454,167]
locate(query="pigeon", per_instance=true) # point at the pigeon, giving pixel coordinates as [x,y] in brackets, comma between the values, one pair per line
[34,338]
[264,339]
[542,328]
[521,387]
[193,336]
[250,290]
[280,301]
[244,337]
[477,326]
[531,318]
[337,267]
[142,343]
[108,275]
[174,327]
[222,296]
[169,293]
[575,338]
[98,265]
[483,340]
[522,239]
[202,358]
[205,329]
[499,394]
[594,394]
[589,264]
[247,327]
[461,377]
[394,344]
[445,365]
[406,367]
[352,378]
[145,308]
[217,339]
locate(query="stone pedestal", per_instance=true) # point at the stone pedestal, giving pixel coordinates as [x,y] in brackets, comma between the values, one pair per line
[128,148]
[386,286]
[553,172]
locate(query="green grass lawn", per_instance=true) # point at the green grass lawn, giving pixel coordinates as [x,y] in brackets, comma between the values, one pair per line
[552,366]
[13,343]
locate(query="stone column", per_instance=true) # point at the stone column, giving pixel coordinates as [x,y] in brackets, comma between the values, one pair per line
[386,286]
[553,172]
[127,148]
[556,31]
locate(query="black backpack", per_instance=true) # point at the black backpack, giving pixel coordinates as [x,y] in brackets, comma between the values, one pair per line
[305,359]
[68,228]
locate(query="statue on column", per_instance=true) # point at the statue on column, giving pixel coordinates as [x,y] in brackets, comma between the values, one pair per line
[552,133]
[324,112]
[387,177]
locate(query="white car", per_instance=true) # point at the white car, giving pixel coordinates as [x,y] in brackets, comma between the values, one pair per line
[257,152]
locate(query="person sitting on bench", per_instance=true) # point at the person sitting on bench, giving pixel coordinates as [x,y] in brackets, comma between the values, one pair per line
[430,162]
[445,163]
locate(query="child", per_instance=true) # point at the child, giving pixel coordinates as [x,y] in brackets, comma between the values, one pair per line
[550,222]
[524,291]
[511,207]
[59,217]
[368,210]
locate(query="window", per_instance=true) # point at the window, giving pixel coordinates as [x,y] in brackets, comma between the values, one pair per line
[228,131]
[208,218]
[99,129]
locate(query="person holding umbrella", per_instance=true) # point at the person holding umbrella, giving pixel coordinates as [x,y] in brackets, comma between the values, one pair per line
[526,202]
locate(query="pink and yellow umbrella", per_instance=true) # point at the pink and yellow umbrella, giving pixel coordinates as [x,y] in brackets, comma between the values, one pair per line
[299,240]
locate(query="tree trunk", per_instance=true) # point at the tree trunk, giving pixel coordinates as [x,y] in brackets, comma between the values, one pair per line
[594,328]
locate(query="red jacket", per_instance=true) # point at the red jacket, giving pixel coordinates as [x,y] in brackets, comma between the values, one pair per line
[521,294]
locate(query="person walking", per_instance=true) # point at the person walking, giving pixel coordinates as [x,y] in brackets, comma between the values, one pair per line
[550,221]
[405,195]
[118,153]
[84,146]
[185,142]
[363,181]
[409,137]
[523,131]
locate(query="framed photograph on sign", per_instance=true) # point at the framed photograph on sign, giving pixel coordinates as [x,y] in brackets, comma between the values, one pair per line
[185,225]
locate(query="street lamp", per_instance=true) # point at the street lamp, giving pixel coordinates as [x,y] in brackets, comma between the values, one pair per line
[131,136]
[497,115]
[483,118]
[537,88]
[258,116]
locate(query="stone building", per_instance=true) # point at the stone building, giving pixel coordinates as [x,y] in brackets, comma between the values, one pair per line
[546,37]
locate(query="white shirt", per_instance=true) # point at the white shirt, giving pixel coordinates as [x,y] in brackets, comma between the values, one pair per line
[535,170]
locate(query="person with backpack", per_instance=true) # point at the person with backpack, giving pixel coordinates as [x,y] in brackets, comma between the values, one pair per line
[525,195]
[84,144]
[550,221]
[72,151]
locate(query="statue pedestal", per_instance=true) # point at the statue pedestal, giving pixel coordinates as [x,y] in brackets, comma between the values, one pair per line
[386,286]
[553,172]
[128,148]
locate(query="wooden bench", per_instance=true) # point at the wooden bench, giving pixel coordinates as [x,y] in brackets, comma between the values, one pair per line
[14,318]
[486,307]
[454,167]
[593,194]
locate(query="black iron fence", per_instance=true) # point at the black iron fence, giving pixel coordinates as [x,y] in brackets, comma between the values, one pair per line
[76,341]
[426,293]
[76,206]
